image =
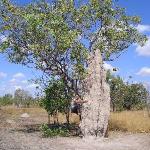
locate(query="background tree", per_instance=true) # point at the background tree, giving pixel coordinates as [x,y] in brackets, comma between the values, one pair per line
[50,37]
[117,91]
[126,96]
[135,96]
[7,99]
[22,98]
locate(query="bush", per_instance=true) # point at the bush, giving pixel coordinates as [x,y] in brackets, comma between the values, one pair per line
[52,132]
[5,101]
[56,99]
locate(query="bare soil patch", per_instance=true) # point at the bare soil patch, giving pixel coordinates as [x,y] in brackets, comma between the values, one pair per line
[15,140]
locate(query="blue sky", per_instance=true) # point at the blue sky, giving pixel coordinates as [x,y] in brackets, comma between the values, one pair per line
[134,62]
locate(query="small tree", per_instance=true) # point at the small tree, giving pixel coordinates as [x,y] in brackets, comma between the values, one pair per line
[56,99]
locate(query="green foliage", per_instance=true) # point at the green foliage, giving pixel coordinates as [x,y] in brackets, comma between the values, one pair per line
[125,96]
[135,97]
[49,36]
[6,100]
[57,98]
[51,132]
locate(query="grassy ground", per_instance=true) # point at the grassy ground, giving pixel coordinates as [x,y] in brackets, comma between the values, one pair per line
[130,121]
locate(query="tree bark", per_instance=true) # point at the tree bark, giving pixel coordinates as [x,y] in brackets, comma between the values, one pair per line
[95,113]
[48,119]
[67,118]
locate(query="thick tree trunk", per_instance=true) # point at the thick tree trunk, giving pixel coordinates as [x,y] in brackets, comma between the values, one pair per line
[95,113]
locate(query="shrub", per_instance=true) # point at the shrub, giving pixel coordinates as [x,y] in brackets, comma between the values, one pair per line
[52,132]
[4,101]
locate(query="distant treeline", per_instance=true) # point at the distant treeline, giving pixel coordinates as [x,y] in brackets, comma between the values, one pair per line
[21,98]
[124,96]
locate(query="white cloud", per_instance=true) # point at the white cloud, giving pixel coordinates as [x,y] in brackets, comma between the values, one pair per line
[145,71]
[145,50]
[16,83]
[3,75]
[32,86]
[3,38]
[17,87]
[147,85]
[143,28]
[18,75]
[109,67]
[13,80]
[24,81]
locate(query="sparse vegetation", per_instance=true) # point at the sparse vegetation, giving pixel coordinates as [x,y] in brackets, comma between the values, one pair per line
[126,121]
[55,131]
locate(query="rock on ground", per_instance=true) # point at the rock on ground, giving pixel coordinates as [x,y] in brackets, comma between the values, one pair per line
[25,115]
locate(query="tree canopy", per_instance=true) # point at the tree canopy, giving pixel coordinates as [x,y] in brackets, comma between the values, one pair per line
[57,37]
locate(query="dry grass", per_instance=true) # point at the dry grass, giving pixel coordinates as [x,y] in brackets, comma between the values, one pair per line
[131,121]
[38,114]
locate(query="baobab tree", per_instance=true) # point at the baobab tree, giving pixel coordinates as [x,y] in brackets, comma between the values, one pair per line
[70,40]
